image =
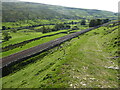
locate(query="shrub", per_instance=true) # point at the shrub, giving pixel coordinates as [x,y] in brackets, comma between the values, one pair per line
[6,36]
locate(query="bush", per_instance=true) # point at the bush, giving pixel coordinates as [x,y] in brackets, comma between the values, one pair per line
[14,30]
[95,22]
[75,28]
[83,22]
[4,28]
[61,26]
[6,36]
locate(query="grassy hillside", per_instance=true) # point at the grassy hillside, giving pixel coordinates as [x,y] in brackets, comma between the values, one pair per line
[16,11]
[88,61]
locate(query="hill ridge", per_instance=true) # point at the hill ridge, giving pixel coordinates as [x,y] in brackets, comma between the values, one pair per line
[15,11]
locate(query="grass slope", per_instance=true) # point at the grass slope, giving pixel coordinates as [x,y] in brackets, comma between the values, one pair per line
[82,62]
[17,11]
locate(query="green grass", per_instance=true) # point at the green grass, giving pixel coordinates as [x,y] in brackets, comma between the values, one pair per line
[50,26]
[31,44]
[24,23]
[27,34]
[21,36]
[81,63]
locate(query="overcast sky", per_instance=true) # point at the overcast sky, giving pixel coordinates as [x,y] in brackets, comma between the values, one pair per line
[109,5]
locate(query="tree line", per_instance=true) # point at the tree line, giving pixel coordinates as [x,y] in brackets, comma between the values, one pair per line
[96,22]
[59,26]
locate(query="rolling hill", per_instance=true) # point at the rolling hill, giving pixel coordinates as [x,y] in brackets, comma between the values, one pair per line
[89,60]
[15,11]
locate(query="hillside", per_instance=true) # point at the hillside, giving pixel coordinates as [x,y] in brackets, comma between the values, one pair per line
[49,46]
[87,61]
[15,11]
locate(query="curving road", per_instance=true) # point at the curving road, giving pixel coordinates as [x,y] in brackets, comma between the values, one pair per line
[43,47]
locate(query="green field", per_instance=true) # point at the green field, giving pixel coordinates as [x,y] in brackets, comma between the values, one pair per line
[89,60]
[27,34]
[84,62]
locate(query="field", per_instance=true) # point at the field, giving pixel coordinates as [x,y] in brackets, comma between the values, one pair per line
[88,61]
[34,55]
[27,34]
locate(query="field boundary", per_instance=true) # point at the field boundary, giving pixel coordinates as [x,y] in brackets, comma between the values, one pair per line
[44,47]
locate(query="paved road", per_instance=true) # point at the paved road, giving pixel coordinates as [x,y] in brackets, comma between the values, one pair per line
[43,47]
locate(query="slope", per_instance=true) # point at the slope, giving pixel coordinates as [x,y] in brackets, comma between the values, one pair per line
[15,11]
[88,61]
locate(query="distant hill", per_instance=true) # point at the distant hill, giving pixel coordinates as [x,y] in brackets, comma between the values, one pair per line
[14,11]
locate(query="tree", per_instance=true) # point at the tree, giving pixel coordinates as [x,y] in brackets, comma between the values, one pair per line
[6,36]
[67,26]
[95,22]
[105,20]
[4,28]
[14,30]
[83,22]
[60,26]
[72,22]
[9,28]
[45,29]
[92,23]
[98,22]
[75,28]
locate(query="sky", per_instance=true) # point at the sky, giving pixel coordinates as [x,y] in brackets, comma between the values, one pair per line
[109,5]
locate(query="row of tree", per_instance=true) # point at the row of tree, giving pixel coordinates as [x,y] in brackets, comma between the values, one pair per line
[60,26]
[32,25]
[43,29]
[96,22]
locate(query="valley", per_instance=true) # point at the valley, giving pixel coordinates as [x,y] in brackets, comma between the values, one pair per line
[84,53]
